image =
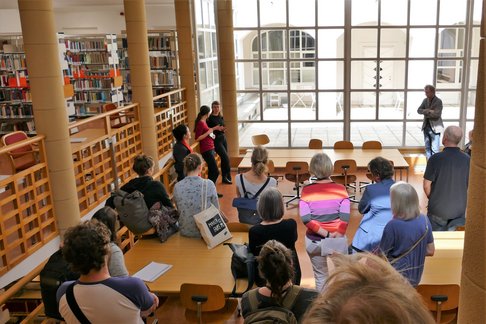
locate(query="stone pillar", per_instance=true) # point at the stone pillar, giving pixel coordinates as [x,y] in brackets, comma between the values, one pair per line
[187,51]
[140,73]
[226,52]
[473,278]
[50,115]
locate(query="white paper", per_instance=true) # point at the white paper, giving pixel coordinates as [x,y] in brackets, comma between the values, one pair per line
[331,245]
[152,271]
[78,139]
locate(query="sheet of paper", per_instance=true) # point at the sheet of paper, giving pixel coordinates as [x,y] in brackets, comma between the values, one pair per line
[78,139]
[152,271]
[330,245]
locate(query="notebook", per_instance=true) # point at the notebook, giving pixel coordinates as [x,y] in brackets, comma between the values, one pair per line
[152,271]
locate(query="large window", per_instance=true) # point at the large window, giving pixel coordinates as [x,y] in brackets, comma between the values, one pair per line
[352,69]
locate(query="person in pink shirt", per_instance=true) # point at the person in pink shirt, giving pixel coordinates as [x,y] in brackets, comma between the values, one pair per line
[204,135]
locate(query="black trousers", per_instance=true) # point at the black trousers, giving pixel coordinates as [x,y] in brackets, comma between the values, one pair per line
[213,171]
[221,148]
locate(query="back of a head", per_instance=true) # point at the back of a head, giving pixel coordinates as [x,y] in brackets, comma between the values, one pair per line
[107,216]
[275,266]
[366,289]
[86,245]
[270,204]
[404,201]
[381,168]
[179,132]
[259,159]
[453,135]
[142,163]
[321,166]
[191,162]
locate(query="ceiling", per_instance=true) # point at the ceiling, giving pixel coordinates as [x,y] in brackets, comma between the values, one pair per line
[61,4]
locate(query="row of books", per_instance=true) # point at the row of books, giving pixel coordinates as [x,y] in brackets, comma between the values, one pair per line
[88,58]
[27,126]
[12,62]
[17,79]
[93,83]
[160,62]
[15,94]
[159,43]
[163,77]
[85,45]
[12,111]
[92,96]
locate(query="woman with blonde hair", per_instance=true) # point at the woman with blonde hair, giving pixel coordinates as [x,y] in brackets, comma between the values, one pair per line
[407,238]
[364,288]
[188,193]
[248,184]
[324,209]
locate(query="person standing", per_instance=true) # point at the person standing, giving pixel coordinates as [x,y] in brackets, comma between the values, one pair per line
[220,144]
[432,126]
[205,137]
[446,180]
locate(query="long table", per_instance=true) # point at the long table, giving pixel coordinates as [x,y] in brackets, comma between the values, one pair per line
[191,260]
[280,157]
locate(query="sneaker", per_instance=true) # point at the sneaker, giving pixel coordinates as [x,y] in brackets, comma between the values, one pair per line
[220,195]
[227,181]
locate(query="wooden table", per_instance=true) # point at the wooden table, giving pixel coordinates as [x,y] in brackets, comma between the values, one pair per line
[280,157]
[191,260]
[446,264]
[88,137]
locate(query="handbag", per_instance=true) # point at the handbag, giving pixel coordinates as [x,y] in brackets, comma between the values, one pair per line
[164,220]
[210,223]
[242,265]
[247,207]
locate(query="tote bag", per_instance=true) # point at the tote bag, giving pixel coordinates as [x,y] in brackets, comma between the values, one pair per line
[210,222]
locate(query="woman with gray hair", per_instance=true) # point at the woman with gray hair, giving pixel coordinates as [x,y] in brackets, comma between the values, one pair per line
[324,210]
[273,227]
[407,238]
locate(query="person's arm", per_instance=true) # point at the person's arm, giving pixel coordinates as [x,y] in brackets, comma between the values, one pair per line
[427,187]
[430,249]
[117,266]
[206,132]
[212,193]
[387,240]
[252,239]
[421,109]
[162,195]
[155,304]
[238,185]
[435,109]
[364,205]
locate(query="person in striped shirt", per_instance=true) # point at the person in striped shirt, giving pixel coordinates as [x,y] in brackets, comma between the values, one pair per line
[324,209]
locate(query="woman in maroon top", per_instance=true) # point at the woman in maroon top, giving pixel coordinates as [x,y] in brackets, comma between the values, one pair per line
[205,137]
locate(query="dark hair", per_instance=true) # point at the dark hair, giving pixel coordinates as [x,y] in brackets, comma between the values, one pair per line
[204,110]
[86,245]
[179,132]
[107,216]
[430,87]
[214,103]
[275,266]
[381,167]
[192,162]
[142,163]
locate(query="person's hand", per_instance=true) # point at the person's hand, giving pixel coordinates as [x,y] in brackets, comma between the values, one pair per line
[154,306]
[335,234]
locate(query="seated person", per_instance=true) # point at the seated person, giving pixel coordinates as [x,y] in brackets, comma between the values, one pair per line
[153,191]
[181,148]
[100,297]
[188,195]
[274,227]
[468,147]
[116,265]
[275,266]
[407,238]
[363,288]
[375,207]
[253,180]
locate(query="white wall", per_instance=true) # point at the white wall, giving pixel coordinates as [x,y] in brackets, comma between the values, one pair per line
[9,21]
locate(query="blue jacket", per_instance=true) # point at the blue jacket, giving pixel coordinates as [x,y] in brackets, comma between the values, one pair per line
[376,209]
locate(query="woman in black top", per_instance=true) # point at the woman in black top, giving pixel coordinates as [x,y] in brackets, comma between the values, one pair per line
[220,145]
[273,227]
[153,191]
[181,148]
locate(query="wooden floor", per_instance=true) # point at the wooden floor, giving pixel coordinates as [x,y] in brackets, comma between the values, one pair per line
[172,312]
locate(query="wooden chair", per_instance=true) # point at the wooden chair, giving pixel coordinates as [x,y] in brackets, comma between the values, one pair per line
[119,119]
[343,145]
[260,139]
[369,145]
[441,300]
[206,301]
[271,171]
[461,228]
[345,174]
[238,227]
[296,172]
[315,144]
[23,157]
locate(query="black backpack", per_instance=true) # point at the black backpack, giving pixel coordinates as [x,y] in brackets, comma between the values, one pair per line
[55,272]
[242,265]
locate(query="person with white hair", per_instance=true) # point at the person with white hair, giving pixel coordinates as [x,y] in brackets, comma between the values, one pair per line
[446,180]
[407,238]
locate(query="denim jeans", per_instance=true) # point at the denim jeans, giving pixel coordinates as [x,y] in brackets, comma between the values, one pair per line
[432,141]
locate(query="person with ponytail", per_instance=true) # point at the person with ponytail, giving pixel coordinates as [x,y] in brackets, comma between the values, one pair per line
[204,135]
[253,180]
[188,193]
[275,266]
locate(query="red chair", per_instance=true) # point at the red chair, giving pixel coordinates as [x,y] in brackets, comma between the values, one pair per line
[23,157]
